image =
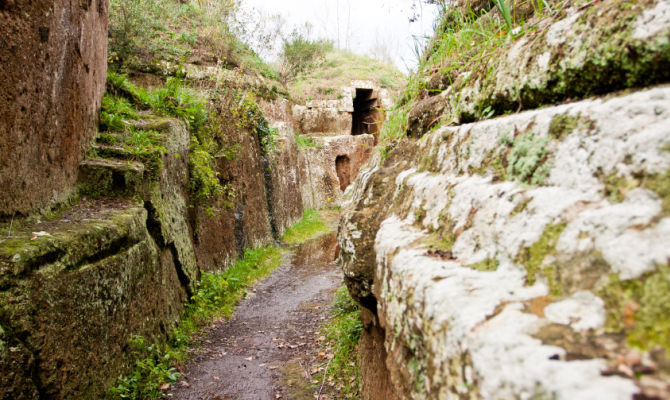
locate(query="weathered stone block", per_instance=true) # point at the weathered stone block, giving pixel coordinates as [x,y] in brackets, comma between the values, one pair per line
[74,294]
[53,60]
[475,245]
[328,169]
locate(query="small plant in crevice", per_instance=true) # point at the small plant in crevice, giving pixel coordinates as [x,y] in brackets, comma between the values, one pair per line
[394,129]
[306,142]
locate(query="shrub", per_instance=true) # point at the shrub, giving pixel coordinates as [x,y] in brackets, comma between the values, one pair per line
[300,53]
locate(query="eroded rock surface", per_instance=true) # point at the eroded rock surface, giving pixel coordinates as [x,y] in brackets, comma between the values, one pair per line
[73,296]
[520,257]
[580,50]
[53,60]
[321,185]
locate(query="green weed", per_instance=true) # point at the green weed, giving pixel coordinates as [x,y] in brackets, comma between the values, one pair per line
[343,332]
[180,101]
[114,112]
[395,128]
[152,369]
[309,226]
[216,296]
[503,7]
[306,142]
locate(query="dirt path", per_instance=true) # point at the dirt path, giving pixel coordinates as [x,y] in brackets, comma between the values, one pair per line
[275,327]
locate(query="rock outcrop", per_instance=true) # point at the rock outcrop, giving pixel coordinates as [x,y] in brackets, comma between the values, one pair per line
[341,134]
[331,166]
[524,256]
[53,60]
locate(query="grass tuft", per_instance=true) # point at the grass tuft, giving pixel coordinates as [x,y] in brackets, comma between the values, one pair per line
[306,142]
[309,226]
[343,332]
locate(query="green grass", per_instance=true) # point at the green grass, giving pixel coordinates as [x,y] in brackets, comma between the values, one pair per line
[309,226]
[142,31]
[339,69]
[216,296]
[343,333]
[394,129]
[306,142]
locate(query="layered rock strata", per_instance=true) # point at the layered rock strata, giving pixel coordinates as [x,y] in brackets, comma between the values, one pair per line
[524,256]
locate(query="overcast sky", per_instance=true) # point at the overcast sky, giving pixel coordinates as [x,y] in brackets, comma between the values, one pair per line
[364,24]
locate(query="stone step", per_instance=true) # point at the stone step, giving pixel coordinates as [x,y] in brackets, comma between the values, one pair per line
[111,177]
[107,151]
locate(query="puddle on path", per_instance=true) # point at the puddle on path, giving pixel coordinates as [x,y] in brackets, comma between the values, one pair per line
[243,357]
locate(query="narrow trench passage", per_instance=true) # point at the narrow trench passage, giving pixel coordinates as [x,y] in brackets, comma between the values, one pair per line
[276,326]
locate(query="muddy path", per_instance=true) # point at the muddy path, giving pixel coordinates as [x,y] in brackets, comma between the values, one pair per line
[274,328]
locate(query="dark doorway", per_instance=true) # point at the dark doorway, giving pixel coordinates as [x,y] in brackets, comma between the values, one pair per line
[343,168]
[366,113]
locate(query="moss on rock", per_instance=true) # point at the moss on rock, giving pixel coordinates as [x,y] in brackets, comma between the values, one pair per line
[488,264]
[660,184]
[640,308]
[563,124]
[533,257]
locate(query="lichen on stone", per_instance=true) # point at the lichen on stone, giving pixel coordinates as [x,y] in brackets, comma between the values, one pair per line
[660,184]
[488,264]
[526,158]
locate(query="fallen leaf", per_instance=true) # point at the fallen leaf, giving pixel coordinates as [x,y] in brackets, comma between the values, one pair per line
[273,367]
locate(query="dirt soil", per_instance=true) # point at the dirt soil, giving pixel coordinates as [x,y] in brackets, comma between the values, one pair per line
[270,348]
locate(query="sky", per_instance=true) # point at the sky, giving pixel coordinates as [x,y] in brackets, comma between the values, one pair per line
[364,25]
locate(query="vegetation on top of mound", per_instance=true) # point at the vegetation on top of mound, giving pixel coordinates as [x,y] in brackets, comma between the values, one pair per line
[338,69]
[142,31]
[299,54]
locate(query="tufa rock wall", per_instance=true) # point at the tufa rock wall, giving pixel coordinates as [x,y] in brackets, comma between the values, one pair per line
[330,167]
[264,200]
[525,256]
[118,263]
[342,135]
[53,58]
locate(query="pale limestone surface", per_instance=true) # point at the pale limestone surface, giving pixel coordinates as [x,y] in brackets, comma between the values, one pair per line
[438,312]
